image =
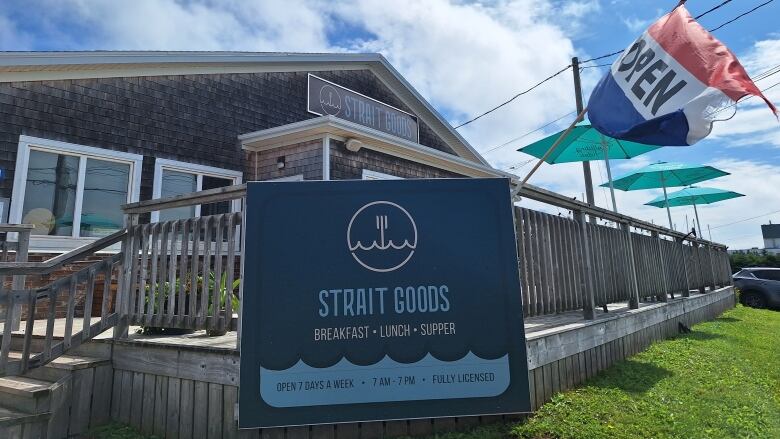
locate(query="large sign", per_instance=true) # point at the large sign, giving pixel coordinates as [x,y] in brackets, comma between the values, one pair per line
[377,300]
[326,98]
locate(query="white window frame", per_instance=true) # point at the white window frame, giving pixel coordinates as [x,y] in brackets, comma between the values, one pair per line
[373,175]
[199,171]
[28,143]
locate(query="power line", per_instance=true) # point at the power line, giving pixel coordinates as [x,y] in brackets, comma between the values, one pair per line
[748,97]
[714,8]
[742,15]
[606,56]
[746,219]
[516,96]
[528,133]
[597,65]
[696,18]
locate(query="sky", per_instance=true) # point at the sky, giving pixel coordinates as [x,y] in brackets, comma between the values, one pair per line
[465,58]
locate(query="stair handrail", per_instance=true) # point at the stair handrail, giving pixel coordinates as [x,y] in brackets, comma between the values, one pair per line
[50,265]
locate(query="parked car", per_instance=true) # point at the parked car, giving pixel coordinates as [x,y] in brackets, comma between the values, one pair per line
[759,287]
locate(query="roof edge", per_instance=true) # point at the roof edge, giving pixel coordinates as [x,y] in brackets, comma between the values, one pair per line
[26,63]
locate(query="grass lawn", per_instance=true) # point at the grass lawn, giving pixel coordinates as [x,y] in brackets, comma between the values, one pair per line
[720,381]
[116,431]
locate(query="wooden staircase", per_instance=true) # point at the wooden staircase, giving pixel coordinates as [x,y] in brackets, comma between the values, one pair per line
[60,399]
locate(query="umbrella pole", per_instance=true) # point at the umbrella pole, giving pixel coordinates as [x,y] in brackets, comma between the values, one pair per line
[698,223]
[609,173]
[552,148]
[666,201]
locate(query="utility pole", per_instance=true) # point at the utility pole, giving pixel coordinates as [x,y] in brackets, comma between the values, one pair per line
[575,67]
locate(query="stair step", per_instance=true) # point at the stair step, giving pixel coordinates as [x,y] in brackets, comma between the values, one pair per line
[10,417]
[68,361]
[24,393]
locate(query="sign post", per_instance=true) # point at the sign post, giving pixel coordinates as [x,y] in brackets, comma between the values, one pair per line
[379,300]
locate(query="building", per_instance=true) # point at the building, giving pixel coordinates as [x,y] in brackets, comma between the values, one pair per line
[82,133]
[771,234]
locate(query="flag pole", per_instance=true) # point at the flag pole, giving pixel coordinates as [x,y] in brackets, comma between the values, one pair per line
[554,145]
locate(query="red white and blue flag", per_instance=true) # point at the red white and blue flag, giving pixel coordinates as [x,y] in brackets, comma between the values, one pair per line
[669,85]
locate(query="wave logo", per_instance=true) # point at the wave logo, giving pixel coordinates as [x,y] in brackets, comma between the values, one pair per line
[330,100]
[382,236]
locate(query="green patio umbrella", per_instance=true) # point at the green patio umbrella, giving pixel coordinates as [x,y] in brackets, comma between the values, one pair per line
[584,144]
[664,175]
[692,196]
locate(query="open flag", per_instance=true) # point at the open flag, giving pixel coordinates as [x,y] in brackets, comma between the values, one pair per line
[667,87]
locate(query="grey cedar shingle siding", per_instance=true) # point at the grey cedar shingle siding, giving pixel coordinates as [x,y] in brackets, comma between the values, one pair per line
[191,118]
[345,165]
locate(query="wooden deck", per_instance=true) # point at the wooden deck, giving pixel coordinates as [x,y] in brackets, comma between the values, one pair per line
[535,327]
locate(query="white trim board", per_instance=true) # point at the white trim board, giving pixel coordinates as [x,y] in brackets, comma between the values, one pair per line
[341,130]
[368,174]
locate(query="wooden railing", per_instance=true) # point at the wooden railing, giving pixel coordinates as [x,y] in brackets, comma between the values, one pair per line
[17,352]
[19,249]
[185,273]
[591,259]
[597,257]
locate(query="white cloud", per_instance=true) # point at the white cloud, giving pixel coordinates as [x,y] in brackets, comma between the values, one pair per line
[752,116]
[463,57]
[635,24]
[267,25]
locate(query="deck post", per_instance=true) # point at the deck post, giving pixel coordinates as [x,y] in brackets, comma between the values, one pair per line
[664,295]
[22,247]
[712,268]
[633,298]
[242,251]
[123,291]
[588,300]
[687,290]
[702,283]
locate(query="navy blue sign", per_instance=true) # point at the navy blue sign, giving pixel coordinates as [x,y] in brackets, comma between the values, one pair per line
[377,300]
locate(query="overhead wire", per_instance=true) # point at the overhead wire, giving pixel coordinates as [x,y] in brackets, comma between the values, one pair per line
[564,69]
[746,219]
[528,133]
[516,96]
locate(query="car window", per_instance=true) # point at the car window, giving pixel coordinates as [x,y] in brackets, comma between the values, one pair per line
[743,273]
[768,274]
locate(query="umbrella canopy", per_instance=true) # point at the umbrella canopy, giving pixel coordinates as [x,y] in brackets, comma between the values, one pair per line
[693,196]
[663,175]
[584,144]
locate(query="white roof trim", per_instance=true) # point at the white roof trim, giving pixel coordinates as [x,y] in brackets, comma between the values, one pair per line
[341,129]
[38,66]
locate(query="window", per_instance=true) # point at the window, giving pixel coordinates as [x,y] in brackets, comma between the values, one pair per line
[373,175]
[176,178]
[768,274]
[71,191]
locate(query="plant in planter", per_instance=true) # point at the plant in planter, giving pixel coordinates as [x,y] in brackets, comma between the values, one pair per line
[165,289]
[224,293]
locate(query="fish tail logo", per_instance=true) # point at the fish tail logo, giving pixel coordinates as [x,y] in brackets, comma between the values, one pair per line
[382,236]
